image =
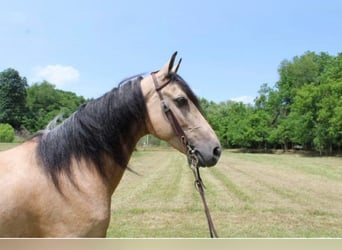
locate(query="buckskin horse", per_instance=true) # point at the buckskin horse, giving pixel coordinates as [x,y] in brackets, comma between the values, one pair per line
[59,183]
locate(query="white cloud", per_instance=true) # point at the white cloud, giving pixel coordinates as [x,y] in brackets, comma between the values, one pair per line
[244,99]
[57,74]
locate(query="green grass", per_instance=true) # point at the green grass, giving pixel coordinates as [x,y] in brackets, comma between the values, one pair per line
[249,195]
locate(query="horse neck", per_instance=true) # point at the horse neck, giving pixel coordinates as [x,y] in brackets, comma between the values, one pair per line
[117,121]
[103,133]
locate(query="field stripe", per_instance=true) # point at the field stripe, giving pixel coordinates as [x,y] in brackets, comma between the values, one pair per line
[230,185]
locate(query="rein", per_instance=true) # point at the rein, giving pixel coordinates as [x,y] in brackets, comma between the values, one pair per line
[192,157]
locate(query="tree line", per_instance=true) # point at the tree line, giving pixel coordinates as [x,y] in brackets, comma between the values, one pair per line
[30,108]
[303,110]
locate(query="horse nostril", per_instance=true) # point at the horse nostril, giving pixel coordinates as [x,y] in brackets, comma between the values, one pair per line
[217,152]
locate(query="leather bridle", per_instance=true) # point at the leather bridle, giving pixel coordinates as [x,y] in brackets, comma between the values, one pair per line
[190,150]
[169,114]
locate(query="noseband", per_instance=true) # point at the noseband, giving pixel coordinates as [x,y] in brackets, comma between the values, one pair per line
[190,151]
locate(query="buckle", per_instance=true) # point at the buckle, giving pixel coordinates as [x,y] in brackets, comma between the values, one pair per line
[165,106]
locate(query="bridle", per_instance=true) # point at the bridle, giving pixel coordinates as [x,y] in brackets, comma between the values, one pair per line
[169,114]
[190,150]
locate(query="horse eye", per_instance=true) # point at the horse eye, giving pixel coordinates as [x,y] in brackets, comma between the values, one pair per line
[181,101]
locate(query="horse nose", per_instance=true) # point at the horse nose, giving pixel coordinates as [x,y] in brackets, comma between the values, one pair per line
[217,152]
[208,157]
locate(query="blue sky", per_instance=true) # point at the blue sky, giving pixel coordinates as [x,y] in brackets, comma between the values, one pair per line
[229,48]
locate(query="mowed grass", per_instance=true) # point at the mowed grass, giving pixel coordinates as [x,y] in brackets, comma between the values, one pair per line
[249,195]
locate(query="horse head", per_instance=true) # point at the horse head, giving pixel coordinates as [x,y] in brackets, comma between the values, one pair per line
[174,115]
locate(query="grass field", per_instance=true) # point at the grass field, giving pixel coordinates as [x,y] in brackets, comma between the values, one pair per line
[249,195]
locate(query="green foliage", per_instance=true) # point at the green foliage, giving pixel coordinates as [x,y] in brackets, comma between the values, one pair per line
[304,108]
[6,133]
[12,97]
[44,102]
[32,107]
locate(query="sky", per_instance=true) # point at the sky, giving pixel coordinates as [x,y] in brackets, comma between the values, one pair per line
[229,48]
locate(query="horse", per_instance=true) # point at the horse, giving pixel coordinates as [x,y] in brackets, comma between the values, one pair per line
[59,183]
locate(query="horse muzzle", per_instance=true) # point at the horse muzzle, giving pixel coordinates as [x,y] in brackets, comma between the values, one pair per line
[207,156]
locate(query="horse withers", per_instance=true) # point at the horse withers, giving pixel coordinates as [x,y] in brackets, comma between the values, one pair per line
[60,182]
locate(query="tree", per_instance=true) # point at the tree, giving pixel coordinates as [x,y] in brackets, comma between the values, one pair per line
[303,117]
[304,107]
[328,127]
[6,133]
[12,98]
[44,102]
[305,102]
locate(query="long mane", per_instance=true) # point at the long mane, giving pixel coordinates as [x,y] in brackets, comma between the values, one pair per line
[99,128]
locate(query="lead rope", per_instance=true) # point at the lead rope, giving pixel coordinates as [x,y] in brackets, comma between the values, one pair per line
[193,164]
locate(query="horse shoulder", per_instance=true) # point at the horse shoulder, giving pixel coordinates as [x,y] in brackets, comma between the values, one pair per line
[18,173]
[31,206]
[81,210]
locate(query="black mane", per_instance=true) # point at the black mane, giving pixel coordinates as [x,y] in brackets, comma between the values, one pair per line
[100,127]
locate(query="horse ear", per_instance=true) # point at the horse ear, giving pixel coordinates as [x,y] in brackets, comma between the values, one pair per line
[168,67]
[172,61]
[175,69]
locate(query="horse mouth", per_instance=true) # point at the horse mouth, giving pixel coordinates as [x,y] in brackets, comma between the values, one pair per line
[202,162]
[207,160]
